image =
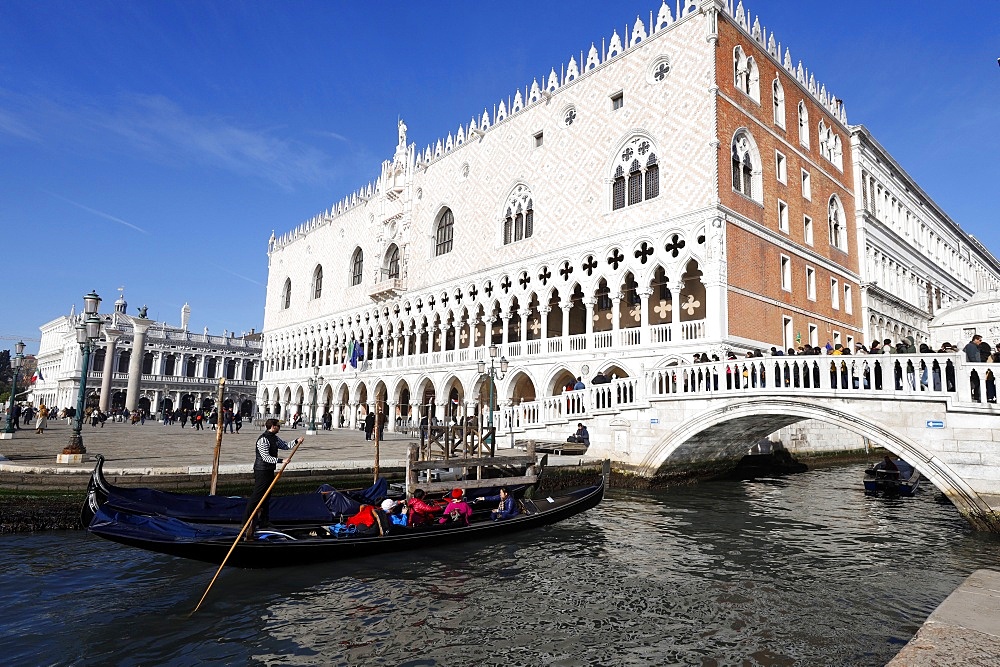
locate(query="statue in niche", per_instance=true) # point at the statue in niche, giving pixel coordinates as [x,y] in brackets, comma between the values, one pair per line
[142,313]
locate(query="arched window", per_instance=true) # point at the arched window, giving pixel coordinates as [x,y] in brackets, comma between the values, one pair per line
[778,94]
[745,74]
[357,266]
[445,232]
[317,290]
[637,174]
[652,177]
[519,216]
[286,294]
[618,190]
[392,261]
[837,224]
[746,166]
[803,124]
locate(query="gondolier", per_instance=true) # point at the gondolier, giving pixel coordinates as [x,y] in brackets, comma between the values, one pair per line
[265,461]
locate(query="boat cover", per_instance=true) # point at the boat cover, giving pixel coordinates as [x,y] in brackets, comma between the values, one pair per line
[302,507]
[157,528]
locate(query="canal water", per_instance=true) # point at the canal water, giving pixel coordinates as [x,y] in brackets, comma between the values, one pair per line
[803,570]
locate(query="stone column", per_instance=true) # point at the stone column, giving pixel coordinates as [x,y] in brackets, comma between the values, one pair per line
[140,327]
[589,303]
[543,320]
[505,334]
[566,308]
[110,338]
[354,415]
[644,315]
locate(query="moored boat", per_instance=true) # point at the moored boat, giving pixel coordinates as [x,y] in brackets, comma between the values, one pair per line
[304,543]
[891,478]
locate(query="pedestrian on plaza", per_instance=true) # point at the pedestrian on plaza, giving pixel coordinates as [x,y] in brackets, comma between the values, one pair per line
[227,424]
[238,421]
[214,418]
[43,419]
[369,425]
[15,416]
[184,418]
[199,420]
[265,462]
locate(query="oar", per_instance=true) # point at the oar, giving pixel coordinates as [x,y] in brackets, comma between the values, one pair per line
[247,525]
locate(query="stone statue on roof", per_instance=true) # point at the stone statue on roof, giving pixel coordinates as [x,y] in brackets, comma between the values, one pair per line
[142,313]
[402,134]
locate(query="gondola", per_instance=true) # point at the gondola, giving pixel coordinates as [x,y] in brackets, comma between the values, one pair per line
[318,543]
[325,505]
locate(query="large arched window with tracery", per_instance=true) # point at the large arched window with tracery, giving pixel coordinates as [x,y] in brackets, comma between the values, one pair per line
[519,215]
[444,233]
[746,166]
[803,124]
[637,174]
[357,266]
[837,224]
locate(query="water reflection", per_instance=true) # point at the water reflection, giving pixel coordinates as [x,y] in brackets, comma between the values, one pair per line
[800,571]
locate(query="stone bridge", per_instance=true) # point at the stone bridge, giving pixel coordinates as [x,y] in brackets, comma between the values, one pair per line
[931,410]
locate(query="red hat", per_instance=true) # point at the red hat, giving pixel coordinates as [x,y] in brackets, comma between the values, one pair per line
[457,493]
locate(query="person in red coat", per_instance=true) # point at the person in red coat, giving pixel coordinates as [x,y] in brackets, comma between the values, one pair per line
[420,511]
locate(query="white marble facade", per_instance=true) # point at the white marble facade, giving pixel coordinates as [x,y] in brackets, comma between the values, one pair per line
[179,368]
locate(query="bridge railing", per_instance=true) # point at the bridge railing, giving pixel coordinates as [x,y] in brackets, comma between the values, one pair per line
[893,376]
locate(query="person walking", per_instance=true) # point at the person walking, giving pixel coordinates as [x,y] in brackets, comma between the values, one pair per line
[43,419]
[369,425]
[265,462]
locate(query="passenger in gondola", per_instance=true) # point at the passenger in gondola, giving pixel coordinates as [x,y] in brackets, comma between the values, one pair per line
[371,520]
[507,509]
[396,511]
[420,511]
[457,511]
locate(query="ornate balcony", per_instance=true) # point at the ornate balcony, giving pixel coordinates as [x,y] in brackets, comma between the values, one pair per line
[389,288]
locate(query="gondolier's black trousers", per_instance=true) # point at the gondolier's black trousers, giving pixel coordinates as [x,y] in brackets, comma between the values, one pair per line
[261,482]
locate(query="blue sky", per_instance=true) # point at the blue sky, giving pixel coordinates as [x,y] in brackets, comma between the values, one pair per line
[155,145]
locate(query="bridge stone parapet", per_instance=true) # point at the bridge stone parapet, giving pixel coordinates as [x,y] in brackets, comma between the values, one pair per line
[923,408]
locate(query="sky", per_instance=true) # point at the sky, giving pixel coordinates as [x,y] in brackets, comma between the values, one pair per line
[155,145]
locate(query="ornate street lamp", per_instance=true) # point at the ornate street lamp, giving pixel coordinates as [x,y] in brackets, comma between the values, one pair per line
[88,331]
[16,362]
[494,374]
[314,383]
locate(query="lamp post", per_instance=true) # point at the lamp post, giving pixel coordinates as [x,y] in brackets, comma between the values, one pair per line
[16,362]
[88,332]
[314,383]
[494,373]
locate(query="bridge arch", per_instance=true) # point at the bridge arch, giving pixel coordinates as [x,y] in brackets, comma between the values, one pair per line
[729,430]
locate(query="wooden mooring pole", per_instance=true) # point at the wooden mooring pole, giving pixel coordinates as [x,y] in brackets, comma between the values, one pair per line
[219,427]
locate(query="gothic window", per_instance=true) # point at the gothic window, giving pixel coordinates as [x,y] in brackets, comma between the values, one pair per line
[778,94]
[317,290]
[357,266]
[637,174]
[837,224]
[286,294]
[519,216]
[445,233]
[634,183]
[746,166]
[824,140]
[745,74]
[803,124]
[618,190]
[392,261]
[652,177]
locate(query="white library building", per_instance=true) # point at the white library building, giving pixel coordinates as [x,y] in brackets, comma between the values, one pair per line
[684,187]
[177,369]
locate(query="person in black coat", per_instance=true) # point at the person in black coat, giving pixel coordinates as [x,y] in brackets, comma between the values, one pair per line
[265,462]
[369,425]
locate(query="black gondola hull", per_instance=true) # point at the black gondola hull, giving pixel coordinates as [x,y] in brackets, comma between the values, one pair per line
[305,549]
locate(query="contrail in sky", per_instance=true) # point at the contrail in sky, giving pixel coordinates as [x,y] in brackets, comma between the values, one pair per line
[96,212]
[249,280]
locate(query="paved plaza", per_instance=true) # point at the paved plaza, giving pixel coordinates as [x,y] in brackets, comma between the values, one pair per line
[153,448]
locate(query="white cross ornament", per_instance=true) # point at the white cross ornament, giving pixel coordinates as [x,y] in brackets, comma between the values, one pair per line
[663,308]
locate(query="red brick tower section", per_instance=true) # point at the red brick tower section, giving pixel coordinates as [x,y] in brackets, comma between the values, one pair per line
[790,275]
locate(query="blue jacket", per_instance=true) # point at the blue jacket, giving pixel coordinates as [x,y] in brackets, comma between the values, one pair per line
[506,510]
